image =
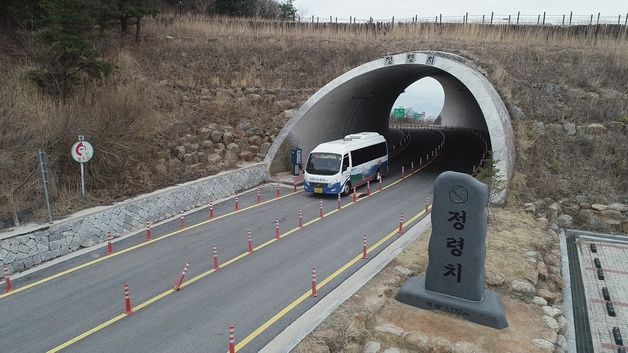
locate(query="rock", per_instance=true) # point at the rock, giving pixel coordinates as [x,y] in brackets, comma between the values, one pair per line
[529,207]
[213,158]
[541,268]
[204,132]
[564,221]
[554,129]
[595,129]
[403,271]
[609,93]
[179,152]
[372,347]
[246,156]
[624,226]
[539,301]
[522,288]
[543,344]
[207,144]
[611,217]
[216,136]
[539,126]
[264,147]
[230,158]
[550,322]
[552,211]
[599,207]
[552,260]
[550,89]
[389,328]
[562,342]
[562,323]
[570,129]
[618,207]
[547,295]
[312,346]
[174,164]
[495,279]
[227,137]
[284,104]
[517,113]
[233,147]
[194,147]
[417,340]
[551,311]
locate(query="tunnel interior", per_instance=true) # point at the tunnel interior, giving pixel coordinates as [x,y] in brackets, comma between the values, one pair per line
[361,100]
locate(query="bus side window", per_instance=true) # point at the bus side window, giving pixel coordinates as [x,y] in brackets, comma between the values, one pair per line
[345,163]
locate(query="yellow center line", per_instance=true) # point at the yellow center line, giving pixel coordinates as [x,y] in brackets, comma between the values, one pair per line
[233,260]
[308,294]
[137,246]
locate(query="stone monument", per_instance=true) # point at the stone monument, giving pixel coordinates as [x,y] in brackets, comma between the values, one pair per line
[454,281]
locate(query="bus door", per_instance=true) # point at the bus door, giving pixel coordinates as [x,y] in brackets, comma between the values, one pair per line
[345,172]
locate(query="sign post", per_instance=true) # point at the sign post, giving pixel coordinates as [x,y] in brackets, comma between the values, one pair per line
[82,151]
[454,280]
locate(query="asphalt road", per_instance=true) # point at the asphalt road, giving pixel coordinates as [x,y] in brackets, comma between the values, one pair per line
[246,292]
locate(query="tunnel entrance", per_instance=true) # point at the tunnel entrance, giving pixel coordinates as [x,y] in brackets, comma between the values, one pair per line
[362,98]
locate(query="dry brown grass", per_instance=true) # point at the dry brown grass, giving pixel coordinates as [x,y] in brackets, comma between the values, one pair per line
[166,88]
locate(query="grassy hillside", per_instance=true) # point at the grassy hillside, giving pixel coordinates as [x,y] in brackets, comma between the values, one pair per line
[190,77]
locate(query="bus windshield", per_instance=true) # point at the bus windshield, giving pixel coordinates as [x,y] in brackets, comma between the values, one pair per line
[323,163]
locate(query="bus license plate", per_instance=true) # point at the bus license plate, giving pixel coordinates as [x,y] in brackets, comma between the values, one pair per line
[318,190]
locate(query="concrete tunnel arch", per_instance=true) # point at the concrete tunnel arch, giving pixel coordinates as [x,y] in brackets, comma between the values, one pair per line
[361,99]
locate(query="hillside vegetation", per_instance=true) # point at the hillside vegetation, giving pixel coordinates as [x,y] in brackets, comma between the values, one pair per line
[189,77]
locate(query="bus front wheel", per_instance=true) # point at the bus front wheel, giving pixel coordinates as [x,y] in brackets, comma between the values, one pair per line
[346,190]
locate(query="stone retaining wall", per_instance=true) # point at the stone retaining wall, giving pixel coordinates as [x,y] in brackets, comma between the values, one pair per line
[23,251]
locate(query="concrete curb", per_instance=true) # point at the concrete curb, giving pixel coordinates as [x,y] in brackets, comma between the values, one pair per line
[306,323]
[570,333]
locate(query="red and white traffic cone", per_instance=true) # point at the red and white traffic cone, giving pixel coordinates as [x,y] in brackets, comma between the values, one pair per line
[250,242]
[300,218]
[355,195]
[216,264]
[7,280]
[182,219]
[339,202]
[277,192]
[402,172]
[148,234]
[231,338]
[211,210]
[128,310]
[294,184]
[368,187]
[401,223]
[237,204]
[364,248]
[314,290]
[177,286]
[259,196]
[109,244]
[277,235]
[427,204]
[321,209]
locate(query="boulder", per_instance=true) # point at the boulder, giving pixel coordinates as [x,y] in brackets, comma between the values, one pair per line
[564,221]
[618,207]
[372,347]
[495,279]
[539,301]
[389,328]
[539,126]
[547,295]
[179,152]
[570,129]
[543,344]
[207,144]
[550,89]
[551,311]
[595,129]
[418,341]
[599,207]
[246,156]
[204,133]
[228,137]
[550,323]
[230,158]
[541,268]
[233,147]
[213,159]
[216,136]
[529,207]
[264,147]
[522,288]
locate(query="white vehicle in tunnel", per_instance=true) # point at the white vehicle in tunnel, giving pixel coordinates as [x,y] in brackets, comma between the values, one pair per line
[337,166]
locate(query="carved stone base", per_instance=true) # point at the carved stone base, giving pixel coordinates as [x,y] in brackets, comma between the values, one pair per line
[488,312]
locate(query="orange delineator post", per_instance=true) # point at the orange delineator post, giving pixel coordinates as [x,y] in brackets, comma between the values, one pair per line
[355,195]
[182,219]
[277,235]
[109,245]
[182,276]
[7,280]
[148,234]
[128,310]
[401,223]
[402,172]
[300,218]
[294,183]
[380,183]
[259,196]
[237,204]
[368,187]
[427,204]
[216,265]
[250,242]
[211,210]
[364,248]
[277,192]
[339,202]
[231,338]
[412,167]
[314,290]
[321,209]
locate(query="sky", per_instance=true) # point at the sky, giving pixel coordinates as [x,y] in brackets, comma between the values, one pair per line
[425,95]
[409,8]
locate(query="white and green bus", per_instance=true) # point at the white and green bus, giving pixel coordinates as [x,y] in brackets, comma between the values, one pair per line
[337,166]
